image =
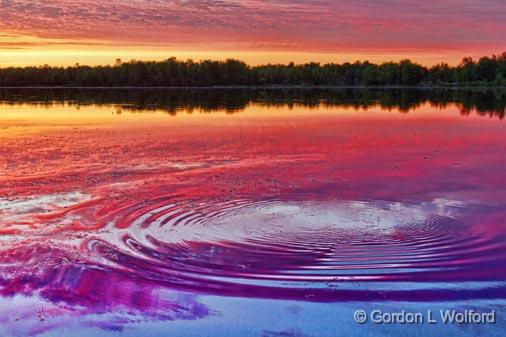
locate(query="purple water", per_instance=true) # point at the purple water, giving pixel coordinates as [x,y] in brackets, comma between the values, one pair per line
[273,221]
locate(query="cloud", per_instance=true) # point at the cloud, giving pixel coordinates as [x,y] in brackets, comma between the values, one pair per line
[309,25]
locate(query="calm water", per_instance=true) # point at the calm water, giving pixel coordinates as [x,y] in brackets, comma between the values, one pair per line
[250,212]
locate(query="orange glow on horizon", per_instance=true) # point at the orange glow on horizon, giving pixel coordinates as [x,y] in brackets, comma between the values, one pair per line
[21,51]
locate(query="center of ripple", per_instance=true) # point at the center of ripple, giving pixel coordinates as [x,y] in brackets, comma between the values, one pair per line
[272,221]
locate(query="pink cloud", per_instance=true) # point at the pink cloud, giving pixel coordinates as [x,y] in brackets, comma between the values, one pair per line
[308,25]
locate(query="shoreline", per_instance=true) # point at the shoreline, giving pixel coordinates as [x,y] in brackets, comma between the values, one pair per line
[256,87]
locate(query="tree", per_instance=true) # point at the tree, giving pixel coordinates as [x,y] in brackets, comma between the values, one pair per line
[172,72]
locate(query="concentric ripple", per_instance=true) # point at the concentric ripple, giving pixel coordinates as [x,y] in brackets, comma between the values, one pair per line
[322,250]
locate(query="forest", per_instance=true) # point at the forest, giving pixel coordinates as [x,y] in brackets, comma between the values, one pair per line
[487,71]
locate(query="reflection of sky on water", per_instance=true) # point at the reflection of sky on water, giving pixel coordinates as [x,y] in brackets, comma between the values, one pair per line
[247,317]
[264,223]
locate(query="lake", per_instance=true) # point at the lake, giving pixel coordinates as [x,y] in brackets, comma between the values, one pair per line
[264,212]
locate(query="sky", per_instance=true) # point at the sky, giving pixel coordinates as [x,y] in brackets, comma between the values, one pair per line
[65,32]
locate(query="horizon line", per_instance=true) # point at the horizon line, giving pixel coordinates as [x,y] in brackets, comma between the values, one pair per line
[118,62]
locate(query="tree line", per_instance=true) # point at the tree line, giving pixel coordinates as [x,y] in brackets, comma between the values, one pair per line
[174,73]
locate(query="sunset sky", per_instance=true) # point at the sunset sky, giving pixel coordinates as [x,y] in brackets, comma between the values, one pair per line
[64,32]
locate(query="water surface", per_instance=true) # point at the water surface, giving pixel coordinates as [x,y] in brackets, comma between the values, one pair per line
[249,212]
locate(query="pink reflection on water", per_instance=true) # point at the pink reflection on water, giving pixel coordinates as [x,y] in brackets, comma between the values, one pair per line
[113,218]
